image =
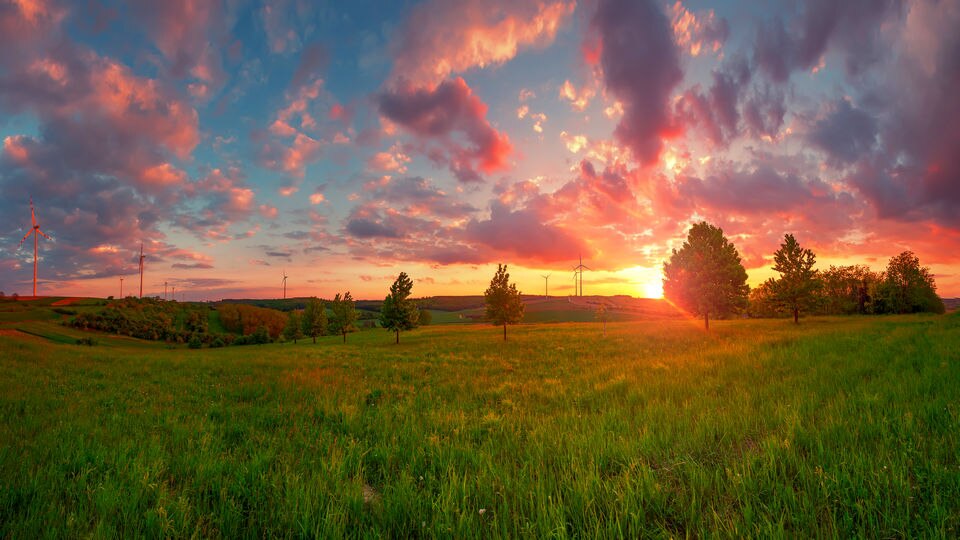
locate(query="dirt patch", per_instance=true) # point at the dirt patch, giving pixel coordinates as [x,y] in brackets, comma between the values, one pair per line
[66,302]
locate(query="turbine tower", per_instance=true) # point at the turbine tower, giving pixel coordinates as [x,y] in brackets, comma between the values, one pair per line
[36,232]
[164,290]
[142,256]
[285,284]
[579,270]
[121,287]
[546,285]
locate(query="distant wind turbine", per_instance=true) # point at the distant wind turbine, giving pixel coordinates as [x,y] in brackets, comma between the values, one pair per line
[164,290]
[36,232]
[579,270]
[285,284]
[121,286]
[546,285]
[142,256]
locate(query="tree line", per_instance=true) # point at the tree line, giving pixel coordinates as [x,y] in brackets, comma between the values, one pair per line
[706,277]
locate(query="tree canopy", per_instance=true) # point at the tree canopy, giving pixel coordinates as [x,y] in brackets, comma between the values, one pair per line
[293,330]
[314,319]
[907,287]
[705,276]
[504,304]
[398,311]
[798,283]
[344,315]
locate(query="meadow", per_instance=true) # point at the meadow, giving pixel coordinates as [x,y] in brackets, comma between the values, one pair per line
[838,427]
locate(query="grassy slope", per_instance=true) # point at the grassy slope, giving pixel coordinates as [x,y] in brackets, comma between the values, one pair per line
[836,427]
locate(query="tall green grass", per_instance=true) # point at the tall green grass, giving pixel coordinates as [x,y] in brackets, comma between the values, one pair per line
[836,427]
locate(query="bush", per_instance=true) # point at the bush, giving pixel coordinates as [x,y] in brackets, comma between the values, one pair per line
[88,341]
[217,343]
[195,342]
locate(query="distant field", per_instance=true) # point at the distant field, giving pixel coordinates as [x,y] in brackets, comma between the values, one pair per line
[840,427]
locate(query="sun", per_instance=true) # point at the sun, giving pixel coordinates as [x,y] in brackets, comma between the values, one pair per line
[653,289]
[647,282]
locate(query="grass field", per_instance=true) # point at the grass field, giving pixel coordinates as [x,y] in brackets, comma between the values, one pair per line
[838,427]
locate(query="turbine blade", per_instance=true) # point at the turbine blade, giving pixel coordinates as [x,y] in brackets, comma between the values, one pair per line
[44,234]
[587,268]
[25,237]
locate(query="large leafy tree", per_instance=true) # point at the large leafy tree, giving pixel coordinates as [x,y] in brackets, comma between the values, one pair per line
[314,319]
[908,287]
[399,312]
[504,304]
[797,286]
[705,276]
[344,315]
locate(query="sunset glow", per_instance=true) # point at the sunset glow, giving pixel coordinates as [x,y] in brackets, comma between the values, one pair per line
[440,138]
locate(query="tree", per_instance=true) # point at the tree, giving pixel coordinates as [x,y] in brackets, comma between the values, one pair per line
[798,284]
[260,336]
[398,311]
[706,276]
[294,328]
[504,304]
[907,287]
[846,290]
[603,315]
[426,318]
[344,315]
[314,319]
[762,302]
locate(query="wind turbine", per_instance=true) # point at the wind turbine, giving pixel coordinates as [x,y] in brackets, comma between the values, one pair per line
[36,232]
[579,270]
[164,290]
[285,284]
[546,285]
[121,287]
[142,256]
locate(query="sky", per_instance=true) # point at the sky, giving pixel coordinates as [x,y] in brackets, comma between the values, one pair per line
[341,143]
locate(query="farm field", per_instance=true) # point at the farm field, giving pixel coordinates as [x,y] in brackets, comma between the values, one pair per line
[836,427]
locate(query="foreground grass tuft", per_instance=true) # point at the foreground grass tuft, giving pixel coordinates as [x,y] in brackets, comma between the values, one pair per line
[838,427]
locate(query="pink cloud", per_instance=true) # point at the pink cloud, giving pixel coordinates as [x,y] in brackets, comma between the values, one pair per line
[698,31]
[442,38]
[438,115]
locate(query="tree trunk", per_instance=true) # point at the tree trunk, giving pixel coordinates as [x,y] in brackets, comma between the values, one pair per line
[706,320]
[314,339]
[504,331]
[398,336]
[344,337]
[796,315]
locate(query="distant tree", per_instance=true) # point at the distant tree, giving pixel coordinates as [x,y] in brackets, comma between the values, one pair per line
[603,315]
[908,288]
[314,319]
[762,302]
[344,315]
[398,312]
[294,328]
[195,342]
[260,336]
[426,318]
[504,303]
[846,290]
[706,276]
[797,286]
